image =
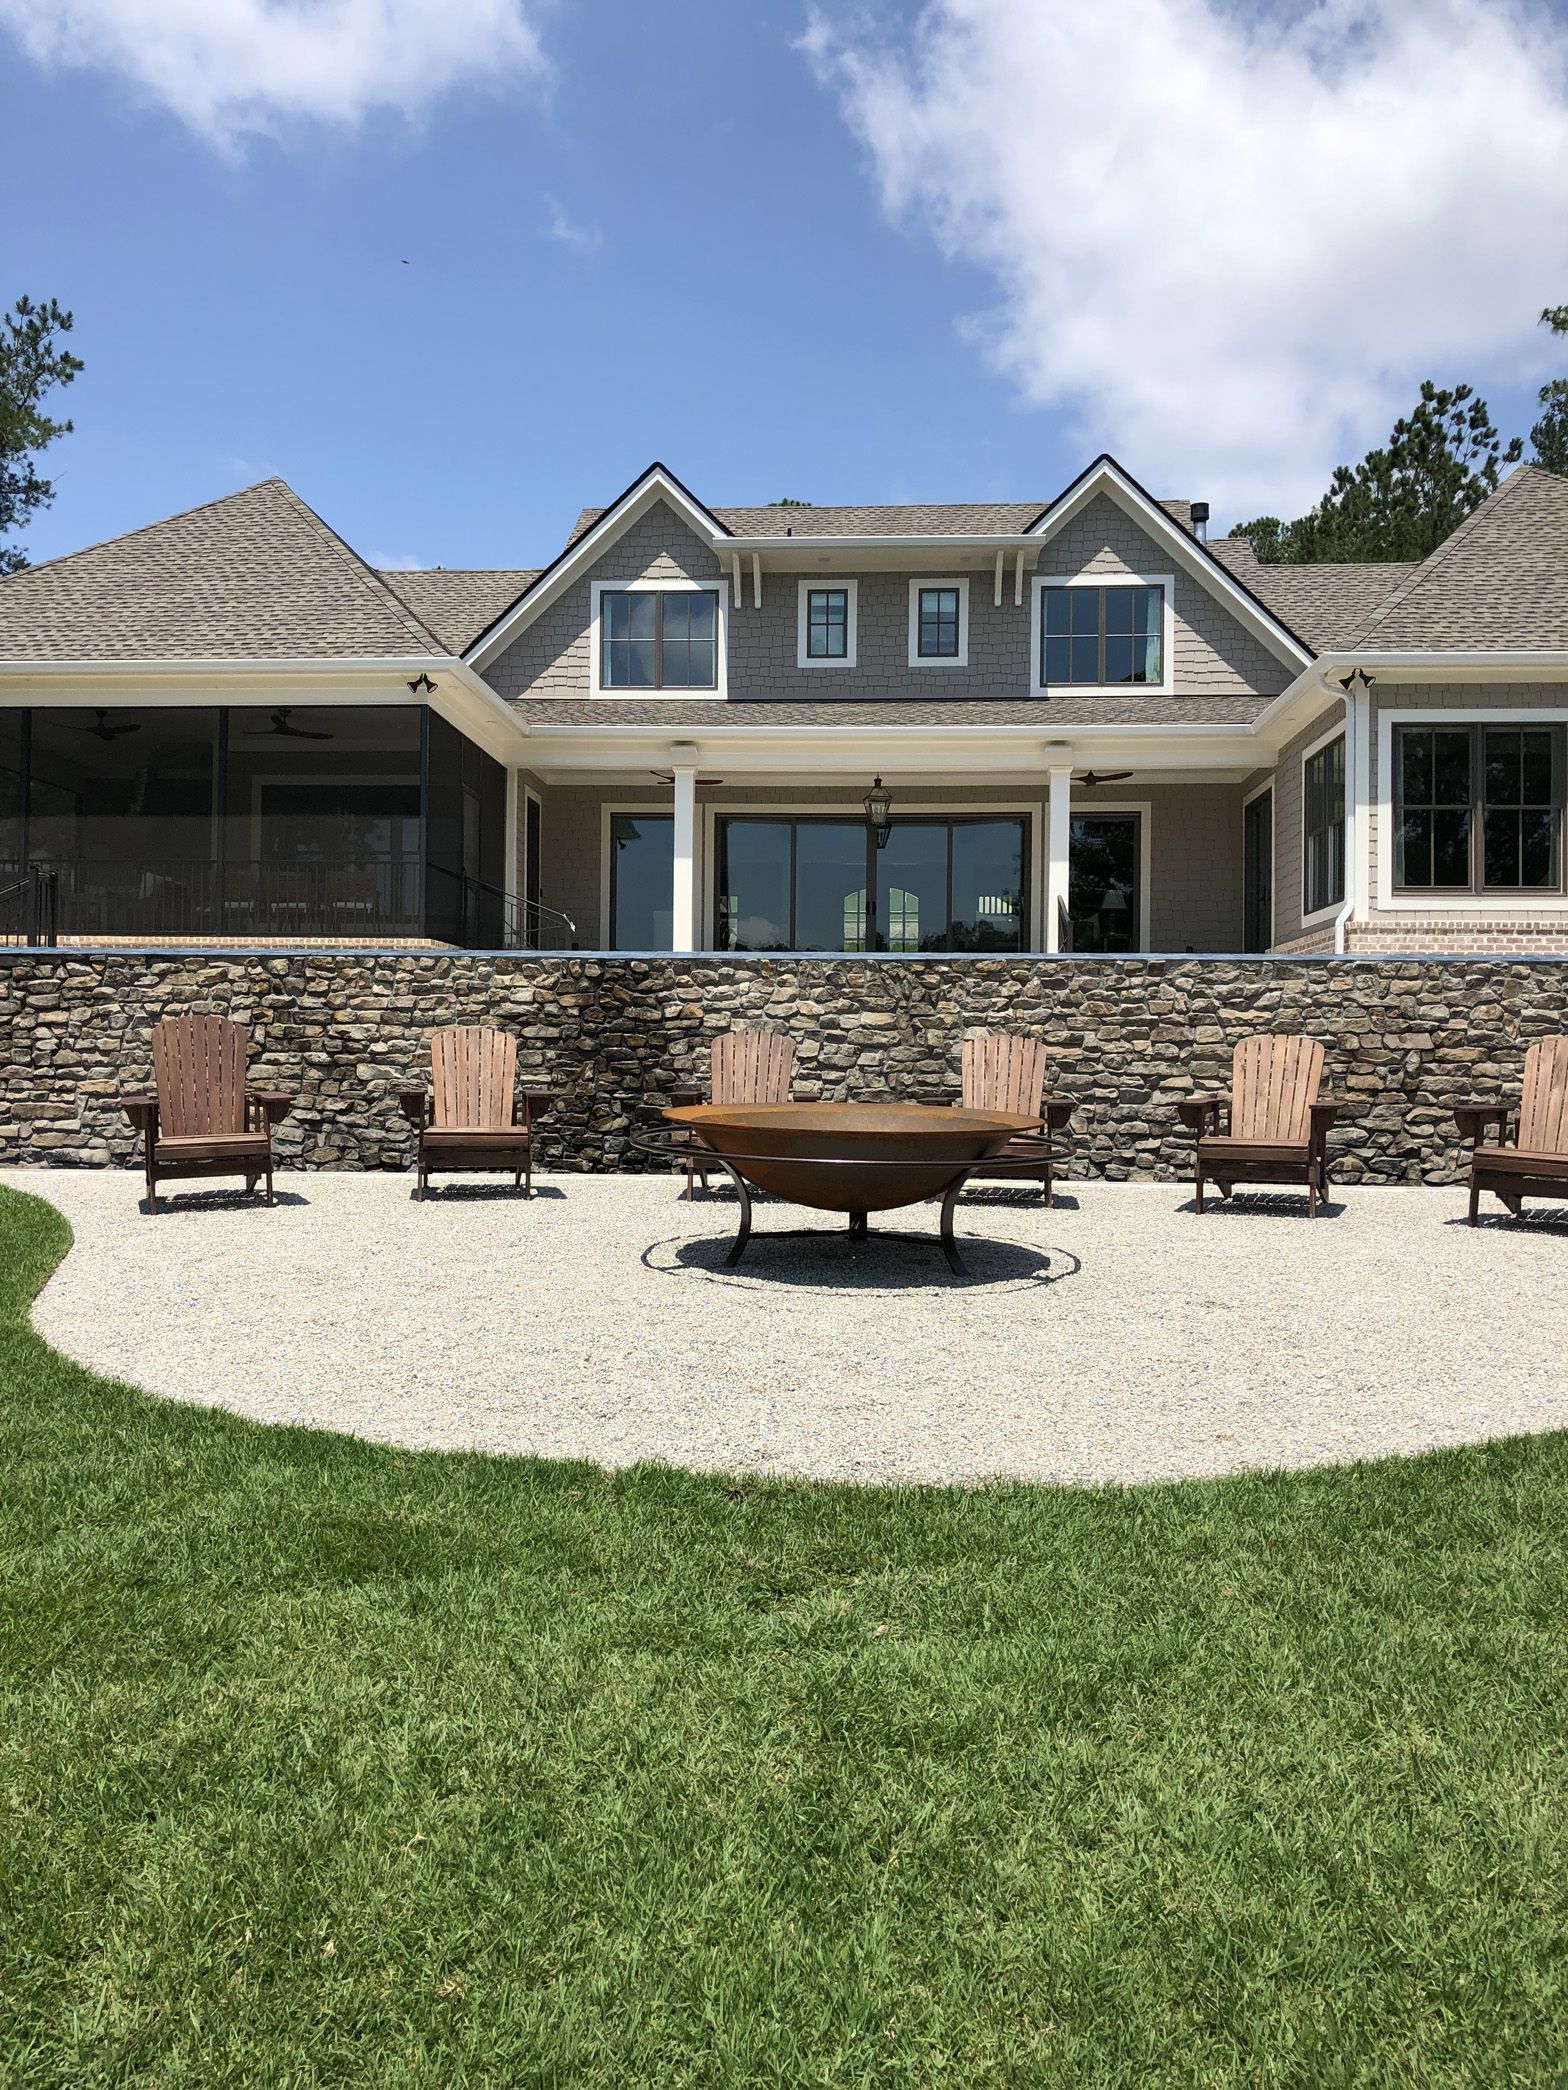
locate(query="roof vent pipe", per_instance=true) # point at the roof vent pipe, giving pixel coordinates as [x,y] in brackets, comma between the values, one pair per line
[1200,521]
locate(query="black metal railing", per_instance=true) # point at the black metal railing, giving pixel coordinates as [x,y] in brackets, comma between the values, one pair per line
[1064,927]
[495,919]
[29,907]
[350,897]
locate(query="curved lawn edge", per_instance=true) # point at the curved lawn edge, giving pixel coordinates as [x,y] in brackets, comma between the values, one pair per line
[340,1761]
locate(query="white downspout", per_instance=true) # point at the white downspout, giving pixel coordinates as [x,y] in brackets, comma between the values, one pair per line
[1356,686]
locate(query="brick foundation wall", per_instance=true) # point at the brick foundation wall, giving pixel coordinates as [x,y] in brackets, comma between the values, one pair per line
[1405,1040]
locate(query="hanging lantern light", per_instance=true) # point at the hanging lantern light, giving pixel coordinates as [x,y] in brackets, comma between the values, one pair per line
[878,803]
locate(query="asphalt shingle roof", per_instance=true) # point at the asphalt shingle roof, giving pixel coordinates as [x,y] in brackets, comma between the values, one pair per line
[254,576]
[1328,605]
[457,603]
[917,519]
[1040,714]
[1499,582]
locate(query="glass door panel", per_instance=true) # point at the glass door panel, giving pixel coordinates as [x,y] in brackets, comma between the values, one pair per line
[988,886]
[1103,884]
[912,887]
[754,884]
[830,885]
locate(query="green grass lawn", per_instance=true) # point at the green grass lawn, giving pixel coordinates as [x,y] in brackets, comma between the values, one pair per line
[321,1763]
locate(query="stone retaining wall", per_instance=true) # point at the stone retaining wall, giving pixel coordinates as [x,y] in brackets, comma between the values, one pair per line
[1405,1039]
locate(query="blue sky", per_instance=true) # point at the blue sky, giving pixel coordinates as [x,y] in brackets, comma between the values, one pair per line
[454,321]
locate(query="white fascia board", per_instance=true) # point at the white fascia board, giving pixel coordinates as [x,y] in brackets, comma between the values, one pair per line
[1203,567]
[654,486]
[1321,682]
[869,543]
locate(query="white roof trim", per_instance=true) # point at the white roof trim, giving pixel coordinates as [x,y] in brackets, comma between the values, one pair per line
[656,484]
[1105,476]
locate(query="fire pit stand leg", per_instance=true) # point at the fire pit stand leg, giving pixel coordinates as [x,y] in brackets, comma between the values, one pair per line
[955,1261]
[743,1231]
[858,1228]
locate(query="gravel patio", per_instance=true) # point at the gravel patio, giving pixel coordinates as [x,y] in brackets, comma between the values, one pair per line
[1116,1337]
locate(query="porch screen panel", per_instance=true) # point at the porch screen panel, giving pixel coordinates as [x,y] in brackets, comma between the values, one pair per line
[642,874]
[1104,896]
[121,803]
[989,867]
[12,727]
[830,885]
[755,885]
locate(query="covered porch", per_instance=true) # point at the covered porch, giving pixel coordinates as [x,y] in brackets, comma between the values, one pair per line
[882,855]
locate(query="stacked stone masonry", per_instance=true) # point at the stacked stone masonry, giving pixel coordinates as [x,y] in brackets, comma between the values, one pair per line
[1405,1041]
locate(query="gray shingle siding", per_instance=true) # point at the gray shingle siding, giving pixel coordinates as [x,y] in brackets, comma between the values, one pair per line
[1215,658]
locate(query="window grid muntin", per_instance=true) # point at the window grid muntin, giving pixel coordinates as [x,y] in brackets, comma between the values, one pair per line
[1471,790]
[932,626]
[1093,637]
[827,619]
[1323,827]
[658,639]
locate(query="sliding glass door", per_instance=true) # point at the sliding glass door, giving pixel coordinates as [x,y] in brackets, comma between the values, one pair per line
[821,884]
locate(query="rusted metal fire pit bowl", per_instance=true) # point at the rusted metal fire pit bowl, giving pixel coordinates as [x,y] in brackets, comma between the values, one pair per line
[848,1157]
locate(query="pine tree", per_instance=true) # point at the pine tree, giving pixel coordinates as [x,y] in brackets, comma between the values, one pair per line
[33,362]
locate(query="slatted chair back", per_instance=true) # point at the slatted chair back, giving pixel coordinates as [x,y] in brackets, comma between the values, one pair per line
[751,1066]
[1002,1071]
[1543,1107]
[1274,1084]
[473,1078]
[198,1068]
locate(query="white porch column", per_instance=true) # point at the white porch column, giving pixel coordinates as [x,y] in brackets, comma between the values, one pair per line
[1059,837]
[683,919]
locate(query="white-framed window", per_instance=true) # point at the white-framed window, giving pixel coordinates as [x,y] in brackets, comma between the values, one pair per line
[939,623]
[650,638]
[1096,634]
[1323,826]
[827,633]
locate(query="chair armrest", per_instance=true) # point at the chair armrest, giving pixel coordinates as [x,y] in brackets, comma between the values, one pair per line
[415,1106]
[1202,1113]
[1473,1119]
[274,1105]
[685,1096]
[1324,1114]
[143,1114]
[1057,1112]
[534,1102]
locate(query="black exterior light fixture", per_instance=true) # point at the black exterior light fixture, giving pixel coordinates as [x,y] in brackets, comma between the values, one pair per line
[422,682]
[878,803]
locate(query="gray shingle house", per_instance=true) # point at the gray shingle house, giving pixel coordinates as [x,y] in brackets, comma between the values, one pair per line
[1002,727]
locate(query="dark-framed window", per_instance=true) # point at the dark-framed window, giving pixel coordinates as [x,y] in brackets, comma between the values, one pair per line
[642,881]
[1478,807]
[1323,827]
[938,622]
[827,623]
[1102,637]
[659,638]
[1105,881]
[819,883]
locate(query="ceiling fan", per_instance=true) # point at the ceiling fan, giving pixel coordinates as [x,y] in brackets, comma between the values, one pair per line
[104,731]
[281,729]
[1091,777]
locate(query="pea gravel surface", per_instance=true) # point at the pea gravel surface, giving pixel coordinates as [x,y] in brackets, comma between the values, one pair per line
[1116,1337]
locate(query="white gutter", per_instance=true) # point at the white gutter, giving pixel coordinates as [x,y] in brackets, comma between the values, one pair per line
[1354,695]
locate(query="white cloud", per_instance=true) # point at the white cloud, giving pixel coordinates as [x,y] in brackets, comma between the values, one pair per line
[396,562]
[1229,240]
[228,67]
[568,231]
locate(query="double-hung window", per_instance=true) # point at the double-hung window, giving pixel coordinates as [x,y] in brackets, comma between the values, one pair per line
[1102,637]
[1478,808]
[826,637]
[658,638]
[939,624]
[1323,827]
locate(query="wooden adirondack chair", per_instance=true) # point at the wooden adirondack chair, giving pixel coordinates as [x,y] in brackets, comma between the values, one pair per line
[745,1066]
[1003,1071]
[468,1118]
[202,1120]
[1529,1155]
[1276,1129]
